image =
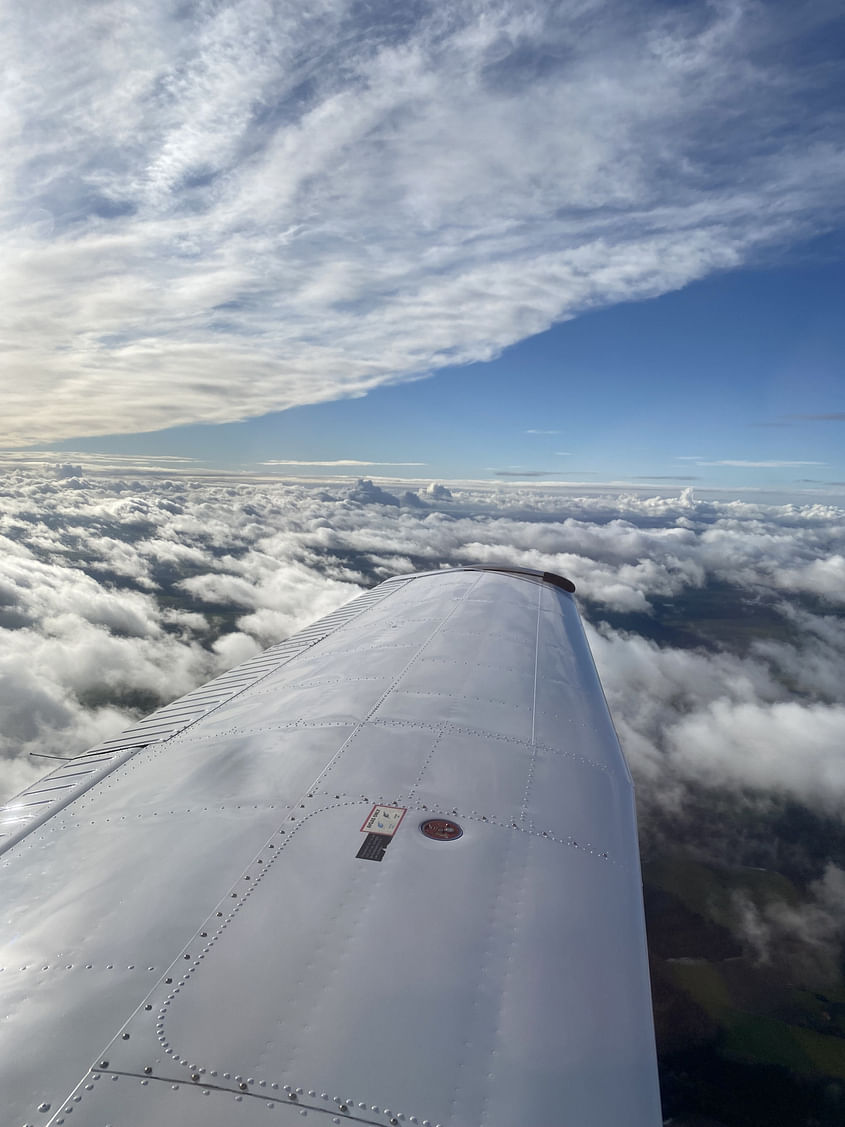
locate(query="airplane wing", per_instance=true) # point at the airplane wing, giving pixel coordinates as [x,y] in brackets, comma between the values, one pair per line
[385,872]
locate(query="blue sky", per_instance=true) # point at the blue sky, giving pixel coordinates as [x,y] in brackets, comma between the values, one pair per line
[407,244]
[660,391]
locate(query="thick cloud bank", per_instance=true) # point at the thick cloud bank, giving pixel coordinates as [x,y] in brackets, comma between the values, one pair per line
[212,211]
[718,628]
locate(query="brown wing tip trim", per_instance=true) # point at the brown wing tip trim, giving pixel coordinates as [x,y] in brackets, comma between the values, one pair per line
[559,581]
[544,576]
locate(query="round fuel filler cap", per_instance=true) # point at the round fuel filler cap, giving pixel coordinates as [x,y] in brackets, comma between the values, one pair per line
[441,829]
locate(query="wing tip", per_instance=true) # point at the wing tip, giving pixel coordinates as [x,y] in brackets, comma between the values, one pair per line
[549,577]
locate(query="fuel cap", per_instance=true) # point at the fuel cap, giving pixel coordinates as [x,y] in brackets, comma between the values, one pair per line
[441,829]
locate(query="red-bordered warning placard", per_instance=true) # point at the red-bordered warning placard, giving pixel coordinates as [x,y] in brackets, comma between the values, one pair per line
[384,820]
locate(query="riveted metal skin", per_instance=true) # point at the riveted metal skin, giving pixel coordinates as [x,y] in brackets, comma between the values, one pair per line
[192,938]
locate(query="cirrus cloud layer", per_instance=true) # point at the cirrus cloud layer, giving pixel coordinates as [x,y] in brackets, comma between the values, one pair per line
[212,211]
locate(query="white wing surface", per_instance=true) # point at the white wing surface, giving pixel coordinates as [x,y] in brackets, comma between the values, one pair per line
[384,873]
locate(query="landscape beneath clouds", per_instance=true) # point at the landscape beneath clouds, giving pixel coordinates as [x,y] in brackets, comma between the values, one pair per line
[719,633]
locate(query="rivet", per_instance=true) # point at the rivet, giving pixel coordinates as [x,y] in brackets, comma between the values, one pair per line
[44,1107]
[148,1069]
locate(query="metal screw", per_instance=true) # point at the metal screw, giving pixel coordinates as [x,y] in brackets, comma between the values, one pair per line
[148,1006]
[148,1069]
[242,1085]
[125,1036]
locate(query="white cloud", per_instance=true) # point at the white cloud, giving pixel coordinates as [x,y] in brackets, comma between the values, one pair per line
[774,465]
[337,462]
[783,745]
[801,939]
[116,595]
[209,212]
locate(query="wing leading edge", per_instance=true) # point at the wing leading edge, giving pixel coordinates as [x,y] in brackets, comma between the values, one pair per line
[386,872]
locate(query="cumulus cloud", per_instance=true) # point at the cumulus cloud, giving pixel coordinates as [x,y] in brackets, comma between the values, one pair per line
[438,492]
[366,493]
[209,212]
[106,586]
[802,939]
